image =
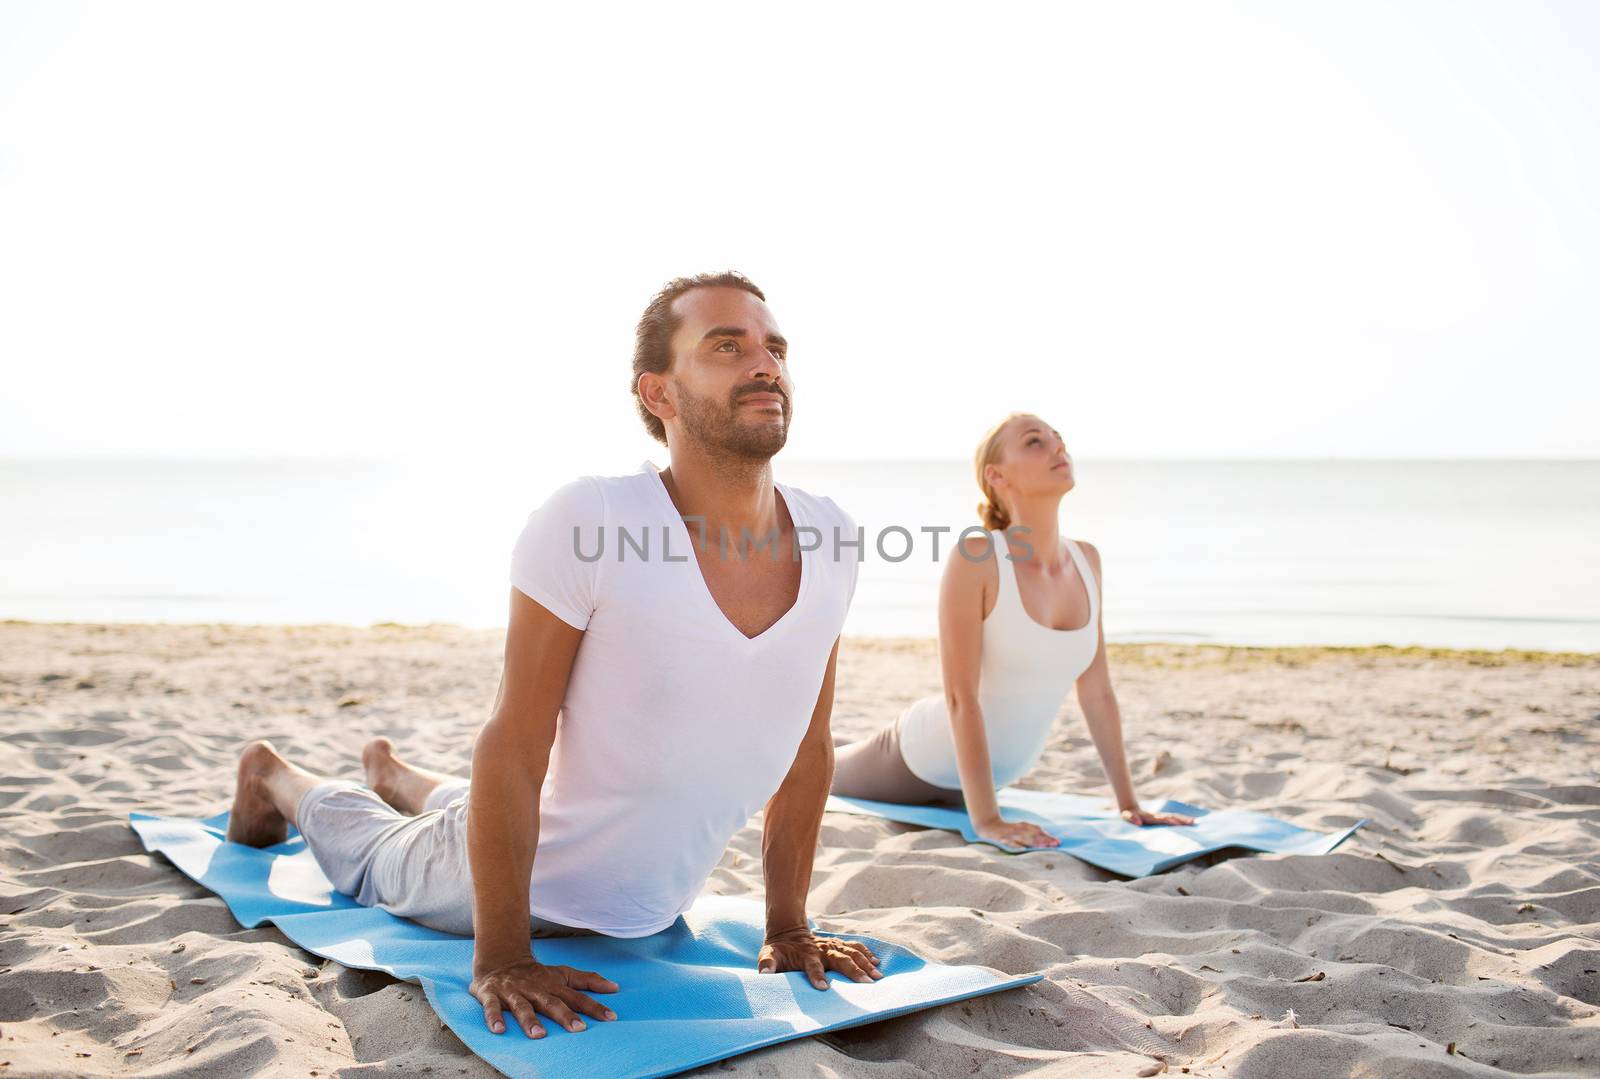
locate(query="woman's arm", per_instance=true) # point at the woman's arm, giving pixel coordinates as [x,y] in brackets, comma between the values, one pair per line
[1100,712]
[961,603]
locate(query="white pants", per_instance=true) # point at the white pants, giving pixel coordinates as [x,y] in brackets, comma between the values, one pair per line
[412,867]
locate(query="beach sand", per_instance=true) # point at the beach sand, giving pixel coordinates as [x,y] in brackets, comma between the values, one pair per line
[1457,934]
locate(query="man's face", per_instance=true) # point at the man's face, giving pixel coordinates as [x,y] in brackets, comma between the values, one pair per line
[729,377]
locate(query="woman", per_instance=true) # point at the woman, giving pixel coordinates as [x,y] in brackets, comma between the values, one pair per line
[1019,622]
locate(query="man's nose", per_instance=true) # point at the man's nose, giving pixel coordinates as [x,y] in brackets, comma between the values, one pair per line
[765,363]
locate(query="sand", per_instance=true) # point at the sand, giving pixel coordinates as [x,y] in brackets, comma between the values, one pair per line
[1458,934]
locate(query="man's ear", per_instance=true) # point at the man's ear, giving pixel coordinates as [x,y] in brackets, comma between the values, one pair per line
[653,392]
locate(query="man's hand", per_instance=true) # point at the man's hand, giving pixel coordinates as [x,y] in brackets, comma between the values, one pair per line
[527,986]
[1144,816]
[800,949]
[1018,833]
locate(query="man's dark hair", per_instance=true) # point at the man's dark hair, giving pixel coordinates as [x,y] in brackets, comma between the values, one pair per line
[652,347]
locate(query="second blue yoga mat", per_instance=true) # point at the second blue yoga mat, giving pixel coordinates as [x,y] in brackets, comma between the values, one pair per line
[690,995]
[1091,830]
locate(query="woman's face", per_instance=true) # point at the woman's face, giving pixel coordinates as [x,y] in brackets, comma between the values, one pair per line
[1035,458]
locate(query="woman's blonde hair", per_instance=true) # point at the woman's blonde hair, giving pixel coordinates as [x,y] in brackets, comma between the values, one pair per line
[991,512]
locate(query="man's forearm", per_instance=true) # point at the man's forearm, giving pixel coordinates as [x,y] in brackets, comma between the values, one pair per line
[789,839]
[502,836]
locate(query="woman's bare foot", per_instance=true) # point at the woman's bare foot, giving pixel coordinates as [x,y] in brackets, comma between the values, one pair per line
[255,820]
[402,785]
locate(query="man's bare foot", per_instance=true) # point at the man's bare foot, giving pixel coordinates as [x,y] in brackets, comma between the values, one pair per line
[254,820]
[378,761]
[402,785]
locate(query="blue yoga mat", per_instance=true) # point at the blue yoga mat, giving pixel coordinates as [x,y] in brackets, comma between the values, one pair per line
[1090,829]
[689,995]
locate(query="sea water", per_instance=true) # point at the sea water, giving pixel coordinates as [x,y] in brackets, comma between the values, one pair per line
[1476,554]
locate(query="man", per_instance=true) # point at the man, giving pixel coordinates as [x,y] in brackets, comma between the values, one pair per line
[693,681]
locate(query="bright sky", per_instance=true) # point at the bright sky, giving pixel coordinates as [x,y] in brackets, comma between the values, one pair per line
[1175,230]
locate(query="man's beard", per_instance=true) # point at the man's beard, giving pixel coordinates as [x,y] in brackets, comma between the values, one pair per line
[720,427]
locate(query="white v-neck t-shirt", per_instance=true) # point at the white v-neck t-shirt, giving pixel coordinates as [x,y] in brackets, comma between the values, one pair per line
[676,727]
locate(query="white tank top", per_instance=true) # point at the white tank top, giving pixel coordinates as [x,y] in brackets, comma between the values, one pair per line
[1024,674]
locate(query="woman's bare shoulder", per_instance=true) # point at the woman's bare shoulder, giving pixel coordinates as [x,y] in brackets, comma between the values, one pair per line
[971,559]
[1091,552]
[970,576]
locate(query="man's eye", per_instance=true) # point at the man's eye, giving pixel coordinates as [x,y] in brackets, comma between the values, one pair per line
[728,344]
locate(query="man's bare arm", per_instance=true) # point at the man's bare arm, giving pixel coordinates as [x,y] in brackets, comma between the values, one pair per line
[509,760]
[790,825]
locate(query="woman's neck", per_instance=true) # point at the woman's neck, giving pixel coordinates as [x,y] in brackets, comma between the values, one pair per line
[1036,523]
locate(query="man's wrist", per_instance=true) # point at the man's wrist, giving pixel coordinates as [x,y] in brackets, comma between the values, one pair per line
[490,962]
[779,930]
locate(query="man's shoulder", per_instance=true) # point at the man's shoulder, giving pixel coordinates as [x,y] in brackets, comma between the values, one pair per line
[598,490]
[820,510]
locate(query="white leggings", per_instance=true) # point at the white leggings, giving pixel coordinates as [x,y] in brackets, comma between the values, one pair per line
[412,867]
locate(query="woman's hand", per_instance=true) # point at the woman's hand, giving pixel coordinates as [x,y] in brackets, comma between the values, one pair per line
[1019,833]
[800,949]
[527,986]
[1143,817]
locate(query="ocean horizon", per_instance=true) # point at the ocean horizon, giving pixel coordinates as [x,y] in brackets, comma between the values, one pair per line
[1458,554]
